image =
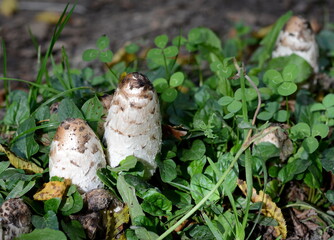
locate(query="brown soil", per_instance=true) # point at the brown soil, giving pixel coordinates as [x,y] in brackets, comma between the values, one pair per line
[132,20]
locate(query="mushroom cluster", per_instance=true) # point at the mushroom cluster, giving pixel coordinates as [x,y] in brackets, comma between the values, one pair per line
[132,127]
[298,38]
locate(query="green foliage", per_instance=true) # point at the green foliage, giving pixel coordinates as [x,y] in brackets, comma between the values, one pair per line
[284,83]
[101,53]
[45,233]
[73,202]
[209,100]
[18,109]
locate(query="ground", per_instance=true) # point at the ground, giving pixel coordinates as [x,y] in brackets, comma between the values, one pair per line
[132,20]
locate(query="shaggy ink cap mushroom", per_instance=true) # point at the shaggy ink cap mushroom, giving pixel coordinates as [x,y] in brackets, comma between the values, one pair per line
[76,153]
[133,124]
[297,37]
[15,218]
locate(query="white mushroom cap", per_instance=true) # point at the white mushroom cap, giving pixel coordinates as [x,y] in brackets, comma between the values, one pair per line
[76,153]
[133,125]
[15,218]
[297,37]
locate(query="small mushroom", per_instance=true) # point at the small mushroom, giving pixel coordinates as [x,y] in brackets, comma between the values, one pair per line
[99,202]
[98,199]
[298,37]
[279,138]
[15,218]
[133,125]
[76,153]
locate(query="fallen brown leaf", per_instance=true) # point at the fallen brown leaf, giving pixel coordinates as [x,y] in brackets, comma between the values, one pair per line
[8,7]
[174,131]
[269,209]
[48,17]
[20,163]
[53,189]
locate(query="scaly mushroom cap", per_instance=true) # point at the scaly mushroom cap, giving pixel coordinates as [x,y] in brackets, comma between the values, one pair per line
[298,37]
[76,153]
[133,125]
[98,199]
[15,218]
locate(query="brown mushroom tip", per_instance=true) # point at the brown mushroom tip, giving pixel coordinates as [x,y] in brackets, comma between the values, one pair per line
[71,126]
[75,121]
[297,24]
[98,199]
[136,80]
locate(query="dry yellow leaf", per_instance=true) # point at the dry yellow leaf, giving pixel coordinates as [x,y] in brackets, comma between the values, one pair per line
[53,189]
[115,222]
[269,209]
[122,56]
[48,17]
[20,163]
[262,32]
[8,7]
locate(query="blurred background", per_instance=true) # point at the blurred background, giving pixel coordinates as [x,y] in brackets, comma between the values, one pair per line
[134,21]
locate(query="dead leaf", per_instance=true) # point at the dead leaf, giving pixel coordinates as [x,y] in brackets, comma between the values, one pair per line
[48,17]
[2,97]
[20,163]
[262,32]
[299,228]
[53,189]
[269,209]
[122,56]
[173,131]
[8,7]
[116,221]
[183,89]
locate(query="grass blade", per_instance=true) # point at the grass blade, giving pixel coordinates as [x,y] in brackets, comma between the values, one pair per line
[64,18]
[215,231]
[4,68]
[31,83]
